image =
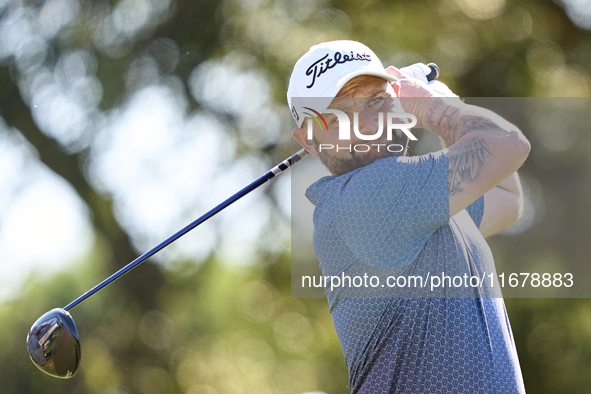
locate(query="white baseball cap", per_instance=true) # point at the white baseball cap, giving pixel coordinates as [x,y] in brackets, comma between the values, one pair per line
[318,76]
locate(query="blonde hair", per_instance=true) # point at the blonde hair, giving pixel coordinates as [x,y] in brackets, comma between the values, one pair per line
[355,85]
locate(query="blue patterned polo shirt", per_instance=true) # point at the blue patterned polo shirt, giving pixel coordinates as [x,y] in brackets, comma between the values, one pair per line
[391,218]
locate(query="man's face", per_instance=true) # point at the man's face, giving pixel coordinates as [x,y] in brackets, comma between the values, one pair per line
[371,100]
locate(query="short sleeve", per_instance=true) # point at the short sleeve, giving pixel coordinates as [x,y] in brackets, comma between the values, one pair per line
[386,212]
[476,211]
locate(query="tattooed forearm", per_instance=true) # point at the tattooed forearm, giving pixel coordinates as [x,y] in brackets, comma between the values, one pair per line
[465,162]
[451,123]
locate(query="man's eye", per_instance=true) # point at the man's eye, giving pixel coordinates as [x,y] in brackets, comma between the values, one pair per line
[376,101]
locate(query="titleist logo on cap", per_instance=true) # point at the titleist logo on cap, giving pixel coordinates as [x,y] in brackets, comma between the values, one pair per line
[320,66]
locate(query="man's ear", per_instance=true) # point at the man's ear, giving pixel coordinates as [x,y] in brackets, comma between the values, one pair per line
[396,87]
[398,74]
[301,136]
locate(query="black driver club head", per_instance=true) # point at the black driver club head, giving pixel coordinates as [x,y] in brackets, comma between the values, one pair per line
[53,344]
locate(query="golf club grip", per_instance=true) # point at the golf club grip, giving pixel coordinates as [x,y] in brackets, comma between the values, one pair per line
[284,165]
[434,74]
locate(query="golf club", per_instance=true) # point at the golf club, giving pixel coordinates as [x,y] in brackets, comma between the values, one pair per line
[53,342]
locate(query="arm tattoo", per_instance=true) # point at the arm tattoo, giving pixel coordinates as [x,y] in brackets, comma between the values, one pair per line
[464,163]
[451,124]
[477,122]
[447,119]
[430,116]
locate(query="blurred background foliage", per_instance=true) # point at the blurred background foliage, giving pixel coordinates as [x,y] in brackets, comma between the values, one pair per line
[121,121]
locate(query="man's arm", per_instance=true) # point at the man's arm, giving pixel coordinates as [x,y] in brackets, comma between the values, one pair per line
[503,206]
[484,151]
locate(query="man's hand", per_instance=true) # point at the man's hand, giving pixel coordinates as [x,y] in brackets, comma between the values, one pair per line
[415,91]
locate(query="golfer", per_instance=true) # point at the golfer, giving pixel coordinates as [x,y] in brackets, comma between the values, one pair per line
[385,215]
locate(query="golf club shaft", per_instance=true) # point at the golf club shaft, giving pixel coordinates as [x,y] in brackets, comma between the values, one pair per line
[284,165]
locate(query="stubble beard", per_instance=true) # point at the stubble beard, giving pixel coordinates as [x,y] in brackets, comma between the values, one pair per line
[341,165]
